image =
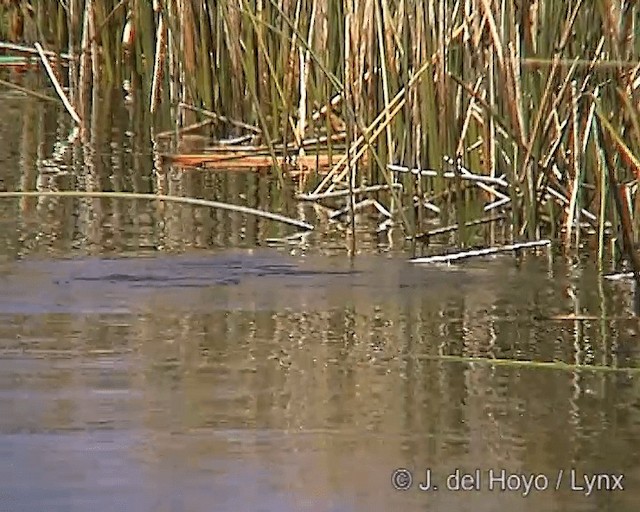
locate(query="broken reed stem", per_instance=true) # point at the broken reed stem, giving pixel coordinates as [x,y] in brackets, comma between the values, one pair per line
[27,49]
[449,174]
[447,258]
[28,92]
[342,193]
[454,227]
[56,84]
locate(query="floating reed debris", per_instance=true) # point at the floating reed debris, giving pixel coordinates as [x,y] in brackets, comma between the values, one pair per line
[248,160]
[448,258]
[468,175]
[353,208]
[294,239]
[159,197]
[620,276]
[27,49]
[448,229]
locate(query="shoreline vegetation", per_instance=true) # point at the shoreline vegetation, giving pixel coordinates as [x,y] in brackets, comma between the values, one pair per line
[506,121]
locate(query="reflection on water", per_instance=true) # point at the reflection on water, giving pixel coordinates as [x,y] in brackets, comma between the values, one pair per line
[311,402]
[143,366]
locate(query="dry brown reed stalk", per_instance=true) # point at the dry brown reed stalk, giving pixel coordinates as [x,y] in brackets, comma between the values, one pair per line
[618,192]
[349,73]
[573,217]
[93,44]
[384,74]
[557,145]
[603,187]
[158,64]
[628,157]
[84,77]
[303,76]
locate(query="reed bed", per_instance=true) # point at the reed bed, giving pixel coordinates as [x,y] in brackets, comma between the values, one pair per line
[444,112]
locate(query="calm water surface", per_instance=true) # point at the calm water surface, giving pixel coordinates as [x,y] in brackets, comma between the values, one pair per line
[161,358]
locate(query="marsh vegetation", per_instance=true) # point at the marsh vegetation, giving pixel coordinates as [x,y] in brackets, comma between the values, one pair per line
[494,121]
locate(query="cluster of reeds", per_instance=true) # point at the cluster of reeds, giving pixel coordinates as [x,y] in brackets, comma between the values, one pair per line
[467,112]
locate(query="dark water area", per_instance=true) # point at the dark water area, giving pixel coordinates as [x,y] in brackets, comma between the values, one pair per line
[162,357]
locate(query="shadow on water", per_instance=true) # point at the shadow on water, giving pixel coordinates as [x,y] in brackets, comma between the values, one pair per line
[263,279]
[217,375]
